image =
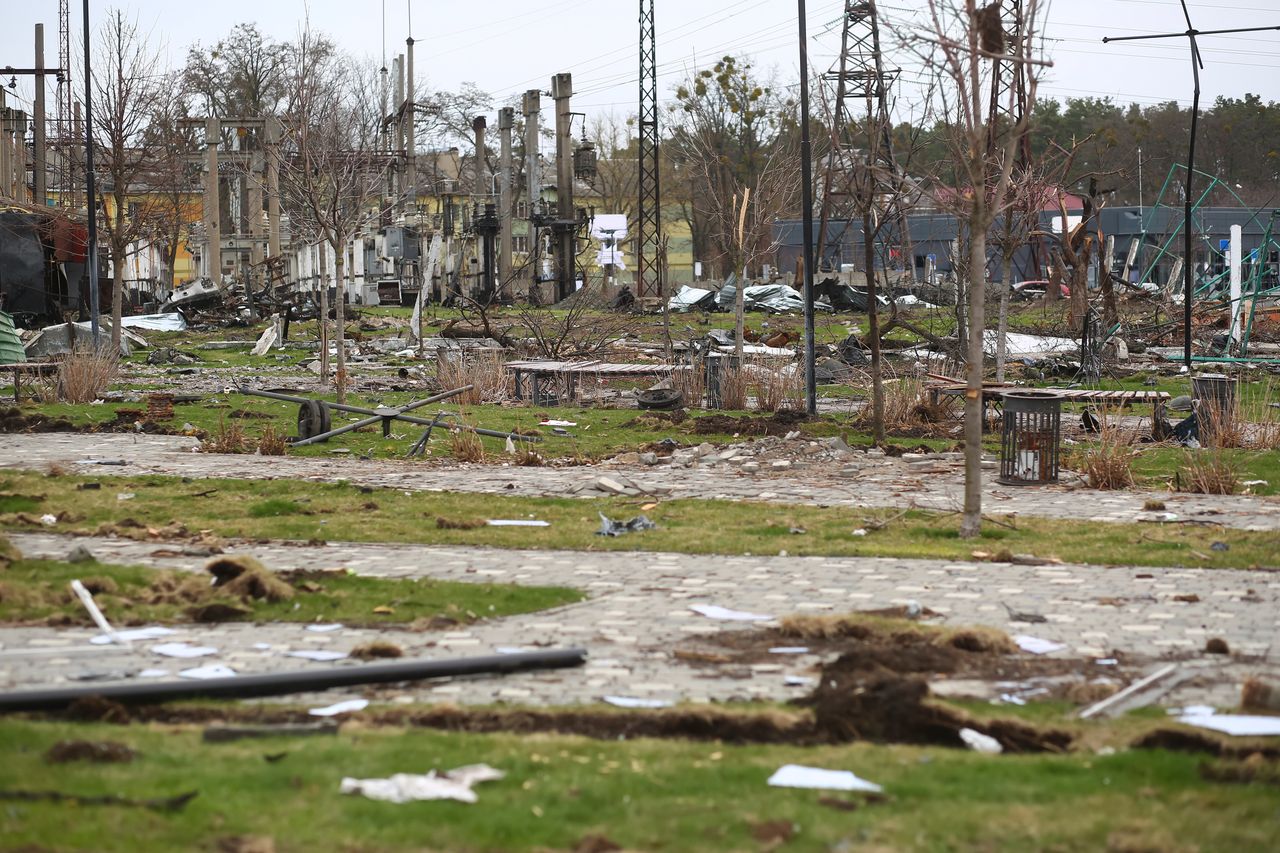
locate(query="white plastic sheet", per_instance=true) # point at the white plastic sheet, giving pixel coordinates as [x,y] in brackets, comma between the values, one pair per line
[340,708]
[1237,725]
[800,776]
[456,784]
[715,611]
[1037,646]
[183,650]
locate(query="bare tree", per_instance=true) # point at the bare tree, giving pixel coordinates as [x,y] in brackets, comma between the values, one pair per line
[332,171]
[127,88]
[962,45]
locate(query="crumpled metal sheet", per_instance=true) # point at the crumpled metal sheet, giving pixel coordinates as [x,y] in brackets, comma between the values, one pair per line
[610,527]
[690,298]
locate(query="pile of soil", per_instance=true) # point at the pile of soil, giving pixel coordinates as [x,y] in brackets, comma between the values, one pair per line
[15,420]
[777,423]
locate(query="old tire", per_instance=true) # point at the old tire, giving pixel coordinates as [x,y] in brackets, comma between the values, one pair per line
[313,419]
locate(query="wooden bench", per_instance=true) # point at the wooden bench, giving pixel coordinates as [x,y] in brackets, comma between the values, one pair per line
[535,379]
[39,368]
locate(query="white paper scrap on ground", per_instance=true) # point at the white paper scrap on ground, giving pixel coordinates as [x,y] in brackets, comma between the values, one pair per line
[262,647]
[152,633]
[1037,646]
[789,650]
[153,673]
[636,702]
[799,776]
[340,708]
[979,742]
[1239,725]
[517,522]
[557,423]
[510,650]
[798,681]
[317,655]
[183,650]
[213,670]
[325,629]
[1193,711]
[407,787]
[715,611]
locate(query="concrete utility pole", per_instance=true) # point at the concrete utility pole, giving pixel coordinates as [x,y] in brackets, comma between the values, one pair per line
[566,222]
[212,203]
[506,123]
[39,151]
[397,125]
[411,129]
[274,131]
[6,151]
[532,174]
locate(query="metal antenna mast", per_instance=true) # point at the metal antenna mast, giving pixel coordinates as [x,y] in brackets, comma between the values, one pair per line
[858,74]
[66,124]
[649,207]
[1188,277]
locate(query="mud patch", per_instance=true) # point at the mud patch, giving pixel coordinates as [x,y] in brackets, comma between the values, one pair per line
[97,752]
[1186,740]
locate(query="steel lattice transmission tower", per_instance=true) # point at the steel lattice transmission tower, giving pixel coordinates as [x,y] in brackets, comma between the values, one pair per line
[859,75]
[649,206]
[1009,106]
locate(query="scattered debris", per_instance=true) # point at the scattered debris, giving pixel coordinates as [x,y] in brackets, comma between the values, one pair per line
[86,598]
[246,578]
[1138,694]
[610,527]
[517,522]
[183,650]
[454,784]
[207,673]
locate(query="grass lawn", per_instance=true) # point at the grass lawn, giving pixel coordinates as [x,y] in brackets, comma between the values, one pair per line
[641,794]
[32,590]
[286,509]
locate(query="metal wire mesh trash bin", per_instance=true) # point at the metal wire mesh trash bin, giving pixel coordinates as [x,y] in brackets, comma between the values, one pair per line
[1214,402]
[1030,438]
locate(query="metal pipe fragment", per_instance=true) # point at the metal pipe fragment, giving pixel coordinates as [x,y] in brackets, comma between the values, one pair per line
[284,683]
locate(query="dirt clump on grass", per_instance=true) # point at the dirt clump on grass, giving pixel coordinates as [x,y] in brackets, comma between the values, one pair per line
[94,751]
[15,420]
[245,578]
[377,649]
[1186,740]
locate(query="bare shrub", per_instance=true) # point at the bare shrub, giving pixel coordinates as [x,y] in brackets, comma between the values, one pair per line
[229,438]
[1210,472]
[691,383]
[777,386]
[484,370]
[527,457]
[1109,464]
[905,405]
[465,445]
[1222,428]
[734,385]
[1263,429]
[272,442]
[86,373]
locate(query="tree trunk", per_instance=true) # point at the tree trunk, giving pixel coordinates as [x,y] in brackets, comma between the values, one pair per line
[340,316]
[322,251]
[739,320]
[117,296]
[1002,327]
[971,522]
[873,331]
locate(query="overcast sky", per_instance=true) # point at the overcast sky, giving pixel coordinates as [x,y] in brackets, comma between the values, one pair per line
[505,46]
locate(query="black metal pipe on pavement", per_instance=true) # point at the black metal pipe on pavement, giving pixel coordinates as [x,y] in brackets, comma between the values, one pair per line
[284,683]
